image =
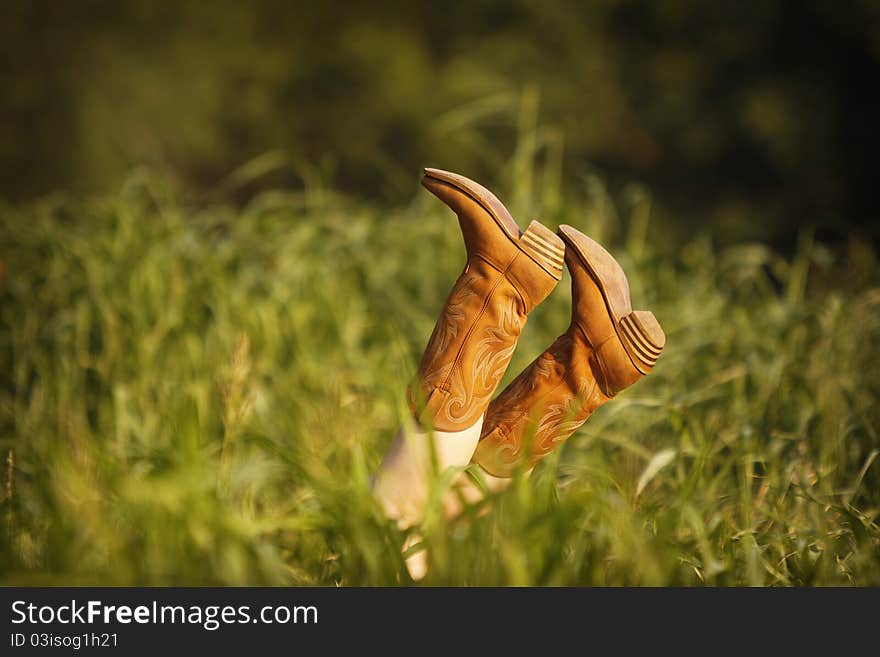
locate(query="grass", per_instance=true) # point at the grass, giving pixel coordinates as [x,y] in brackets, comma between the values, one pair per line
[198,395]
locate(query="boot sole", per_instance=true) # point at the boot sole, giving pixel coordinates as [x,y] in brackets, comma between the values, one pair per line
[538,242]
[638,330]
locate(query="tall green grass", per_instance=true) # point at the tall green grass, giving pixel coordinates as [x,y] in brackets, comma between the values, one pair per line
[198,395]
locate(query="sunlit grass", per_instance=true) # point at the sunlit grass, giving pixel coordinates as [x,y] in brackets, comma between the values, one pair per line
[199,396]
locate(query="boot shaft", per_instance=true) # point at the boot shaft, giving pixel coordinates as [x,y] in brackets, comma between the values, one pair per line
[544,405]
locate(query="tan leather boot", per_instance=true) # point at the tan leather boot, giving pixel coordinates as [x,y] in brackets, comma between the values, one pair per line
[606,348]
[507,274]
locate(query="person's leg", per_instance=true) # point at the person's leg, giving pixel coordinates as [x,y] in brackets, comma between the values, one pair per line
[465,492]
[401,484]
[507,274]
[402,481]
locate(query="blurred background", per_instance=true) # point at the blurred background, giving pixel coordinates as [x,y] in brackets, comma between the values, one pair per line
[751,119]
[218,274]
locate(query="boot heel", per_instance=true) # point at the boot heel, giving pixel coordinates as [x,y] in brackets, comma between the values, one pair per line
[643,338]
[544,247]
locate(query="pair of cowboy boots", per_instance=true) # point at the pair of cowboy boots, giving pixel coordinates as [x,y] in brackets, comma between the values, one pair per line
[606,348]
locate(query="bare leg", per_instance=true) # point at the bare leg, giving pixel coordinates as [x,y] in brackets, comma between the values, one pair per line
[401,483]
[465,492]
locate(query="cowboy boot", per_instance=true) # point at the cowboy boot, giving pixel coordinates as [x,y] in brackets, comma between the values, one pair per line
[606,348]
[507,274]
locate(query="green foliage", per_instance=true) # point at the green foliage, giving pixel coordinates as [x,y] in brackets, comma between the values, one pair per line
[755,116]
[199,395]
